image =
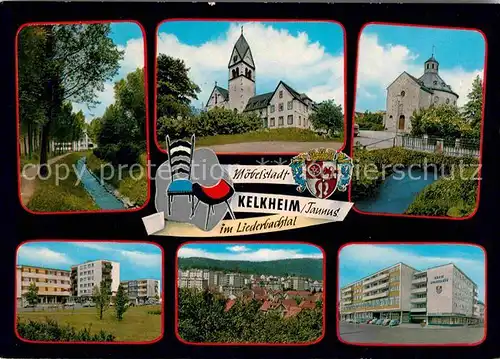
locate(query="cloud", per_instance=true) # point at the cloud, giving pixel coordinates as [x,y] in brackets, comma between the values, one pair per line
[372,258]
[260,255]
[380,64]
[278,55]
[137,258]
[42,256]
[238,249]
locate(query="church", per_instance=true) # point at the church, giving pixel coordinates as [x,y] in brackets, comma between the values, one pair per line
[407,94]
[284,107]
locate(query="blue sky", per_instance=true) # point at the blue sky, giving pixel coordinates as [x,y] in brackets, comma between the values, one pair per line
[128,37]
[386,51]
[358,261]
[249,251]
[137,261]
[307,56]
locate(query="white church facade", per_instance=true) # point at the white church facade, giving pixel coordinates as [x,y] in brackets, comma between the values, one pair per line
[284,107]
[407,94]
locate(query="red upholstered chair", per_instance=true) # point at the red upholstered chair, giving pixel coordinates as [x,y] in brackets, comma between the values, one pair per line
[219,193]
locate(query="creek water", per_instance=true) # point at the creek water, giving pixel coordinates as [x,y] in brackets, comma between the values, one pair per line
[397,192]
[99,193]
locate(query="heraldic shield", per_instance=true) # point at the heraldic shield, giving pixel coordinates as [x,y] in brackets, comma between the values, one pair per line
[321,178]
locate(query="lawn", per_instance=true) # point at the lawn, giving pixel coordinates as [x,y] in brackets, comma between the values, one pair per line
[67,195]
[131,183]
[137,325]
[279,134]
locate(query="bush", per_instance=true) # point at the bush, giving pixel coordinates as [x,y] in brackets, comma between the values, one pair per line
[217,121]
[154,312]
[119,154]
[54,332]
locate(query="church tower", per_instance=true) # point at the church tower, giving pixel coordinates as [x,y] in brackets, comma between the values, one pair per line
[431,65]
[241,68]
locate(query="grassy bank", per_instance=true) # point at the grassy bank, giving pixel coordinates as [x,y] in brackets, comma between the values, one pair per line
[279,134]
[55,194]
[137,325]
[35,158]
[446,197]
[130,182]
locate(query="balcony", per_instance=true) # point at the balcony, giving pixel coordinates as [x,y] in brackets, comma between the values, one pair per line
[349,295]
[418,310]
[380,286]
[419,280]
[377,278]
[418,300]
[347,290]
[376,296]
[346,302]
[419,290]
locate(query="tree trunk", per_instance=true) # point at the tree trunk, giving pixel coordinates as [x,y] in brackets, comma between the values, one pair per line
[30,141]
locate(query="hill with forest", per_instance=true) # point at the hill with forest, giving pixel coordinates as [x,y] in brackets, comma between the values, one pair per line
[304,267]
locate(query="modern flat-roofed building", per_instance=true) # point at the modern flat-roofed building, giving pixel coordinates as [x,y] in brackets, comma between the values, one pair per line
[140,290]
[54,285]
[479,311]
[85,276]
[384,294]
[441,295]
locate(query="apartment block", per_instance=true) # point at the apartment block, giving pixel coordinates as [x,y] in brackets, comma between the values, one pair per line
[141,290]
[384,294]
[85,276]
[299,283]
[441,295]
[54,285]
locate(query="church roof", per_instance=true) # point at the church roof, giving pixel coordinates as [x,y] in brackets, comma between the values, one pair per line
[432,59]
[258,102]
[433,81]
[241,46]
[223,92]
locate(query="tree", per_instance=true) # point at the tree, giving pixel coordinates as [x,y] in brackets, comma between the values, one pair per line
[444,121]
[370,121]
[175,90]
[93,129]
[31,295]
[75,62]
[102,297]
[328,117]
[121,301]
[473,109]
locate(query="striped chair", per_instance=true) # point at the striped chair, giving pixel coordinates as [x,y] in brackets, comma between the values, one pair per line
[180,156]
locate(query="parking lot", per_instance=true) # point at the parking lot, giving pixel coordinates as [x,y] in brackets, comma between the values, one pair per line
[368,333]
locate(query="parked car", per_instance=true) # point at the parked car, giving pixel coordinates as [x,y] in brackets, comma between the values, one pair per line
[374,321]
[386,322]
[368,321]
[394,323]
[349,320]
[356,130]
[379,322]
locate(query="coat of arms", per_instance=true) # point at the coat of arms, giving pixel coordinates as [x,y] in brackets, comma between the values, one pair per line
[439,289]
[322,171]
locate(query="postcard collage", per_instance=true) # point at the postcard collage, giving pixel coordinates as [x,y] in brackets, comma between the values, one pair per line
[244,169]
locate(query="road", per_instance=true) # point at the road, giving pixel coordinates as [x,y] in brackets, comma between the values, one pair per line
[368,333]
[273,147]
[375,139]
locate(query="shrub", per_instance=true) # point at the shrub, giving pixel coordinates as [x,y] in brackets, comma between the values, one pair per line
[119,154]
[155,312]
[53,331]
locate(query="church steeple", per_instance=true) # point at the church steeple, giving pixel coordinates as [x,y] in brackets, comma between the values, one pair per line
[431,65]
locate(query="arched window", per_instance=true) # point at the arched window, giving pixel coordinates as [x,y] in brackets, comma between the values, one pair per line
[234,73]
[249,74]
[237,71]
[447,101]
[433,66]
[436,99]
[403,94]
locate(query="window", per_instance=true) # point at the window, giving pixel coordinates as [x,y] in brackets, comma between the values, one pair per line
[235,58]
[436,99]
[271,122]
[403,94]
[280,107]
[432,65]
[272,108]
[447,101]
[280,121]
[289,120]
[435,82]
[290,105]
[280,94]
[300,120]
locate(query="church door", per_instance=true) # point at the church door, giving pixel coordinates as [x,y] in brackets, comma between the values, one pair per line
[401,124]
